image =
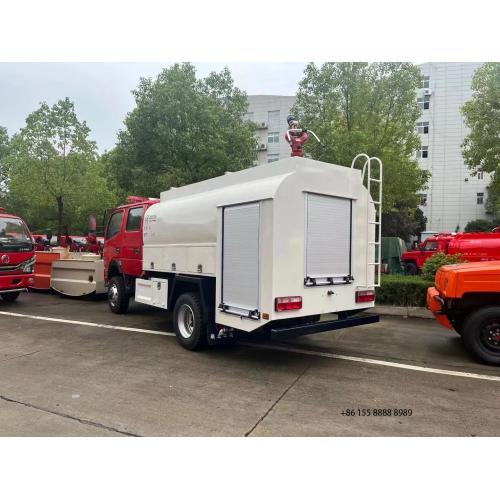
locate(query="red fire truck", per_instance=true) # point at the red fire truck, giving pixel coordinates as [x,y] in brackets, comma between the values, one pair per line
[474,247]
[17,257]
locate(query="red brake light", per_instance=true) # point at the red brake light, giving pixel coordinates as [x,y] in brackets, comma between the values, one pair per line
[365,295]
[287,303]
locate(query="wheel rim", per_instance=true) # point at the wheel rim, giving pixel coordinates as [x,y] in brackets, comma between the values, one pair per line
[185,321]
[113,295]
[490,337]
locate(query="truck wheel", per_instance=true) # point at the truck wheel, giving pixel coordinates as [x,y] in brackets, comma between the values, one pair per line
[481,334]
[189,326]
[118,297]
[411,268]
[10,297]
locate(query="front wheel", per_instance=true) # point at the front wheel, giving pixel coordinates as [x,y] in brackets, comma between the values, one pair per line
[189,327]
[481,334]
[118,298]
[10,296]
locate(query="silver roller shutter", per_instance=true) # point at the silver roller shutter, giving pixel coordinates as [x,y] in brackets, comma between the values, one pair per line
[240,259]
[328,239]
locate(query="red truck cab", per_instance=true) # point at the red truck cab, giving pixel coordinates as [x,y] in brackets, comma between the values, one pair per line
[413,260]
[17,256]
[123,249]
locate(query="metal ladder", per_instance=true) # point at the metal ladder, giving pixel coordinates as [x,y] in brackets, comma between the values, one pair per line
[373,278]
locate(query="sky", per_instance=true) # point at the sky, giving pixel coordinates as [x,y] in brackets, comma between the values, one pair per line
[102,91]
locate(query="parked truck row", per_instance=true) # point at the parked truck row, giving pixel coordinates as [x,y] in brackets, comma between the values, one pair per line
[268,250]
[473,247]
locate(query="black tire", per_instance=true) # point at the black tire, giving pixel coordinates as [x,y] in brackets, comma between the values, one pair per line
[118,297]
[189,327]
[481,334]
[458,325]
[9,297]
[411,268]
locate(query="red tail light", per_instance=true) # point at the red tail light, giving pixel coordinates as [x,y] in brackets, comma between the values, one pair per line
[287,303]
[365,295]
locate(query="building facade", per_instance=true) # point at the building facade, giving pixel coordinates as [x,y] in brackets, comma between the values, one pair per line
[453,196]
[269,113]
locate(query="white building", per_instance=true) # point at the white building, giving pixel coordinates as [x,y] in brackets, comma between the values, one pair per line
[269,112]
[453,196]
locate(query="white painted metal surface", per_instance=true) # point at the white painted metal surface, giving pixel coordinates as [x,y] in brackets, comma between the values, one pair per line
[328,238]
[153,292]
[185,231]
[77,277]
[240,259]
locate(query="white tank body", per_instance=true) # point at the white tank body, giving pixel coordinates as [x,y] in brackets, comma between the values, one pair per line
[184,233]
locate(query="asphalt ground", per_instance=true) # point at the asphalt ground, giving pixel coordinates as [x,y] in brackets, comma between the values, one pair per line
[93,373]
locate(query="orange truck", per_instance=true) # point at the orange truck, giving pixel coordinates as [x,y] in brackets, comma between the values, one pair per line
[466,298]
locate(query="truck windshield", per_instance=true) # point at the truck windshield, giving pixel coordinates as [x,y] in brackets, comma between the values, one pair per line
[13,232]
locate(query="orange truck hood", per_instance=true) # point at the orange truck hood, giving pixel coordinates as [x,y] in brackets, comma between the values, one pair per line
[454,280]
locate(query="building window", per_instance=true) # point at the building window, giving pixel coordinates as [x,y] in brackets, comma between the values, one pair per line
[425,82]
[273,120]
[423,152]
[422,127]
[424,101]
[272,157]
[480,175]
[480,198]
[273,137]
[423,199]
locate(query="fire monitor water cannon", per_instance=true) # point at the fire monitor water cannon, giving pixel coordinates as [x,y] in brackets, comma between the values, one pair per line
[297,137]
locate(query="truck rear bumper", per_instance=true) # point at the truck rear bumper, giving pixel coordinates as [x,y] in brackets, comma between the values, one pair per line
[15,282]
[435,304]
[324,326]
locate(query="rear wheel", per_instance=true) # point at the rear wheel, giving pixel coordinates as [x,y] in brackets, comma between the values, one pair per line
[481,334]
[411,268]
[118,298]
[9,297]
[189,326]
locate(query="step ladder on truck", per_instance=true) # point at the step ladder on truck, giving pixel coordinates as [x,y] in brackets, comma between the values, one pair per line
[269,250]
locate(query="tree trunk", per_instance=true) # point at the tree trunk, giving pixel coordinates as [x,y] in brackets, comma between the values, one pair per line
[60,215]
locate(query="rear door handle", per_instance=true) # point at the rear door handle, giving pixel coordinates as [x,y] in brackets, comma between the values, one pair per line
[136,251]
[117,250]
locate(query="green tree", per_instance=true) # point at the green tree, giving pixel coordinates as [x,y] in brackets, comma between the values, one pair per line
[481,148]
[4,149]
[479,226]
[404,222]
[182,130]
[367,108]
[54,175]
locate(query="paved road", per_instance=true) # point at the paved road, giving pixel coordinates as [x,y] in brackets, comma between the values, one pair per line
[69,379]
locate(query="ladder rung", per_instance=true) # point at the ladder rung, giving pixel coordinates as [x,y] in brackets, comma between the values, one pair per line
[371,179]
[373,263]
[375,202]
[374,243]
[375,222]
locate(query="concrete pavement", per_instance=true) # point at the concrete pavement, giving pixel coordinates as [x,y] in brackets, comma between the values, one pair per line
[68,379]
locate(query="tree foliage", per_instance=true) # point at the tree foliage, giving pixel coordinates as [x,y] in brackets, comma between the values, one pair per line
[182,130]
[481,148]
[55,180]
[4,149]
[479,226]
[370,108]
[403,221]
[433,263]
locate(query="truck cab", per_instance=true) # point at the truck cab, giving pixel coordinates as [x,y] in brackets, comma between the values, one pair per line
[466,298]
[17,257]
[413,260]
[123,250]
